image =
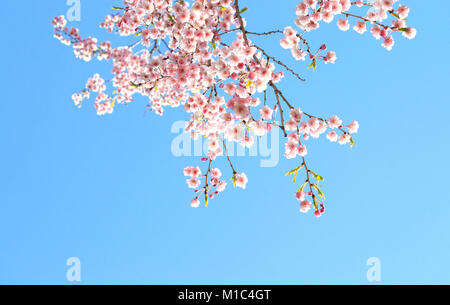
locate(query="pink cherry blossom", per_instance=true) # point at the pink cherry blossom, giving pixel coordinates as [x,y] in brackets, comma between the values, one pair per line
[296,115]
[360,27]
[388,43]
[200,57]
[334,122]
[409,33]
[344,139]
[195,203]
[266,113]
[403,11]
[331,57]
[241,181]
[376,32]
[332,136]
[305,206]
[298,54]
[193,183]
[216,173]
[343,24]
[300,196]
[302,151]
[353,127]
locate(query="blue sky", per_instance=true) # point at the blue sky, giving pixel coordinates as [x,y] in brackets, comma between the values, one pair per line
[109,191]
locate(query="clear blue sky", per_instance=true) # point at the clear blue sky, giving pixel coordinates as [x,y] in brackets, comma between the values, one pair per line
[108,190]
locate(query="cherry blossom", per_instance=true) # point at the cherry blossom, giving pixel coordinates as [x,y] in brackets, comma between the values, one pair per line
[305,206]
[241,180]
[199,56]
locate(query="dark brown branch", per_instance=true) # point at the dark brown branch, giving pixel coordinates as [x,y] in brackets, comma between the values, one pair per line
[280,63]
[281,114]
[228,156]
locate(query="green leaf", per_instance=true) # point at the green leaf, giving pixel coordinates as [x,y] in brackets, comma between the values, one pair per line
[171,18]
[117,8]
[315,203]
[135,85]
[243,10]
[302,187]
[318,177]
[396,15]
[313,64]
[403,29]
[294,171]
[249,129]
[206,199]
[319,191]
[352,142]
[234,179]
[295,176]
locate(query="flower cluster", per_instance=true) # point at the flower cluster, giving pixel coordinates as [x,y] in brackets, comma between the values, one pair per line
[213,185]
[311,12]
[199,56]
